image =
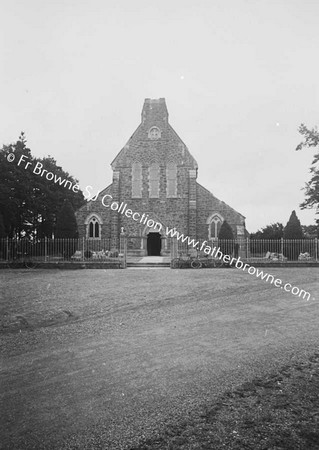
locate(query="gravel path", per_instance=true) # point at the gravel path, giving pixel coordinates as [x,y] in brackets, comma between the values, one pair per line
[107,359]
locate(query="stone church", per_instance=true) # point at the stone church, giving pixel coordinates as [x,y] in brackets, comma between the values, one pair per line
[154,181]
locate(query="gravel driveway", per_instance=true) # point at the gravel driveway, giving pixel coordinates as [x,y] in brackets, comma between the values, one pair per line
[108,358]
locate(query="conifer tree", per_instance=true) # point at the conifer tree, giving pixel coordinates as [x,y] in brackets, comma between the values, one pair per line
[225,231]
[293,229]
[66,226]
[226,238]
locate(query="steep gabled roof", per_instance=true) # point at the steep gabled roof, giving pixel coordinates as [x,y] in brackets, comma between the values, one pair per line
[222,204]
[164,145]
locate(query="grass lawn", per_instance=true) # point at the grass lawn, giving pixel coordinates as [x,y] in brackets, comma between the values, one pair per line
[161,358]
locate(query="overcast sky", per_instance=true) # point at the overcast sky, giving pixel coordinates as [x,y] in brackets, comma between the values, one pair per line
[238,78]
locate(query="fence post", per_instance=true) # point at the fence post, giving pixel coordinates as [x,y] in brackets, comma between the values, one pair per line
[83,249]
[125,251]
[7,249]
[282,248]
[316,249]
[247,248]
[122,249]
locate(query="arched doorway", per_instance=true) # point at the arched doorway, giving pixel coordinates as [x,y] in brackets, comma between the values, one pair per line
[154,244]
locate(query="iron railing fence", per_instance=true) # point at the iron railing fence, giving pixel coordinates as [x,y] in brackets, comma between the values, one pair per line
[255,249]
[283,249]
[48,250]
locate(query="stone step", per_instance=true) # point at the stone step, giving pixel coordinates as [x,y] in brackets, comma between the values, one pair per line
[147,265]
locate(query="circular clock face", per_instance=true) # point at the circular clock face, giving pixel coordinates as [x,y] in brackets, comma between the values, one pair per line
[154,133]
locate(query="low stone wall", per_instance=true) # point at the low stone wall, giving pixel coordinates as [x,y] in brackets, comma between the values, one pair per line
[64,265]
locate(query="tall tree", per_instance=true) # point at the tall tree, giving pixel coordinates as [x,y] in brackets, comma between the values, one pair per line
[66,226]
[311,139]
[30,201]
[15,188]
[51,196]
[293,229]
[2,227]
[3,246]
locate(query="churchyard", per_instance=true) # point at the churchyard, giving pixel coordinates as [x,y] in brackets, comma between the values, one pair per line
[158,358]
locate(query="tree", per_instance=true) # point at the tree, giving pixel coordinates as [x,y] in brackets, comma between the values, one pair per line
[226,238]
[29,201]
[51,195]
[15,194]
[293,230]
[273,231]
[266,239]
[225,231]
[311,139]
[310,231]
[2,236]
[2,227]
[66,226]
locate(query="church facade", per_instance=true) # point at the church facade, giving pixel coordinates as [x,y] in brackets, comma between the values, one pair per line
[155,188]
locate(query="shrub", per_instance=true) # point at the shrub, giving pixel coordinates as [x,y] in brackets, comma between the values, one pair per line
[226,238]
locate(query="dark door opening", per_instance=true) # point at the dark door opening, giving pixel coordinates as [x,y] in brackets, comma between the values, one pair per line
[154,244]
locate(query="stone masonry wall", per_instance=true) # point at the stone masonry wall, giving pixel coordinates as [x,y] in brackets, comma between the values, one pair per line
[187,212]
[208,204]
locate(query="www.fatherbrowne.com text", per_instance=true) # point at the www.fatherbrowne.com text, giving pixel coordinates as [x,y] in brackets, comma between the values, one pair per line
[144,219]
[214,252]
[238,263]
